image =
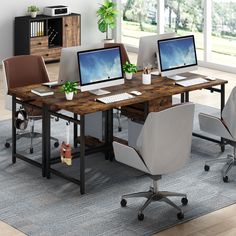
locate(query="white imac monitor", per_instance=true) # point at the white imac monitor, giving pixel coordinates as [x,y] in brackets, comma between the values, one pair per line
[147,53]
[100,68]
[177,55]
[68,69]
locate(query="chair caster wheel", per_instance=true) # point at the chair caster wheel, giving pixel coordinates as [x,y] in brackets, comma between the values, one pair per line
[206,168]
[119,129]
[31,150]
[123,202]
[184,201]
[140,216]
[56,144]
[7,145]
[180,215]
[225,179]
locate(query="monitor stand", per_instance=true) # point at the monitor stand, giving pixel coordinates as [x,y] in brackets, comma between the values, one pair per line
[99,92]
[176,77]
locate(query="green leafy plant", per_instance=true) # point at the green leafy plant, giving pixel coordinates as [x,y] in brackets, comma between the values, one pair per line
[129,67]
[107,16]
[33,8]
[69,87]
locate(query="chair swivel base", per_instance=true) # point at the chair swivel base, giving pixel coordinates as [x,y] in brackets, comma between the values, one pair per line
[28,135]
[230,162]
[153,196]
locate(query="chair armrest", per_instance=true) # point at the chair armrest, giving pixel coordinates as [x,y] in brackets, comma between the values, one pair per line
[214,125]
[129,156]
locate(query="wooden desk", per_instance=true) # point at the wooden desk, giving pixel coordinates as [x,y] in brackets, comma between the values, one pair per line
[84,103]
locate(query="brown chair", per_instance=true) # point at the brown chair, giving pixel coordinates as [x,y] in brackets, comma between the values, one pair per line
[124,58]
[21,71]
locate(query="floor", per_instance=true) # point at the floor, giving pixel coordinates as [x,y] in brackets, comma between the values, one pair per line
[221,222]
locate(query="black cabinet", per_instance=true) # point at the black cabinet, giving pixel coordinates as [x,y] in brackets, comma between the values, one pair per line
[45,35]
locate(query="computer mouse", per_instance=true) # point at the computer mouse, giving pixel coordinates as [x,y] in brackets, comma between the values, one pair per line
[137,93]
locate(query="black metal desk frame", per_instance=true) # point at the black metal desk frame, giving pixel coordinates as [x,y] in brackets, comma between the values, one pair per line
[107,147]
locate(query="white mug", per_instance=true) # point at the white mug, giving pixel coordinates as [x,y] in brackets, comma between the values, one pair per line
[146,78]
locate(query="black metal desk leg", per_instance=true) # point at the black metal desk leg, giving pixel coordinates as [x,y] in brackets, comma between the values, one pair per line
[109,134]
[182,97]
[13,129]
[222,104]
[186,96]
[46,144]
[82,154]
[75,131]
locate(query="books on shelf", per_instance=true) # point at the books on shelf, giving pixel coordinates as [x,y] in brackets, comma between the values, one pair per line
[37,28]
[42,91]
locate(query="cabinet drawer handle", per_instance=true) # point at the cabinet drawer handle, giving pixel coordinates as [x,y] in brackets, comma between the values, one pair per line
[39,43]
[47,55]
[66,25]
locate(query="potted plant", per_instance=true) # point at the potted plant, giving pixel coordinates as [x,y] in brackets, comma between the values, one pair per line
[69,88]
[129,69]
[107,17]
[33,10]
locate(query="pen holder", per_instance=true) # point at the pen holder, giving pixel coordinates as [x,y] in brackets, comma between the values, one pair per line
[146,78]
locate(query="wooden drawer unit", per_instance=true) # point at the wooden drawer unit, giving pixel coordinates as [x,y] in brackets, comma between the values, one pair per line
[46,35]
[51,54]
[140,111]
[38,44]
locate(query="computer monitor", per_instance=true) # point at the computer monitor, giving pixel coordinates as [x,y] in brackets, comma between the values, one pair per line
[147,53]
[100,68]
[177,55]
[68,69]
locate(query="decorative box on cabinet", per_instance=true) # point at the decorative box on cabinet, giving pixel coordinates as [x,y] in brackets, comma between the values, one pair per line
[46,35]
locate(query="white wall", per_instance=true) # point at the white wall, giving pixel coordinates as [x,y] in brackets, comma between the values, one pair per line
[10,9]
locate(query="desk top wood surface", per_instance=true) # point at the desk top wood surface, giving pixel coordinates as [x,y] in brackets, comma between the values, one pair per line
[84,102]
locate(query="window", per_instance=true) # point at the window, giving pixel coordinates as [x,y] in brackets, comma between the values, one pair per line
[212,22]
[223,35]
[139,18]
[186,17]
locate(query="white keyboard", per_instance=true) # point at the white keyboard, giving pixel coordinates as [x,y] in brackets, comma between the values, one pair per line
[115,98]
[191,82]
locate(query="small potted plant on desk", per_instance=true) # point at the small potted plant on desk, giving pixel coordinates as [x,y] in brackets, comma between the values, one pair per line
[33,10]
[69,88]
[129,70]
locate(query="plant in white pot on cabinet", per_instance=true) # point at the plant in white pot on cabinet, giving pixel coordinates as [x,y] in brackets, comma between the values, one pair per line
[129,70]
[33,10]
[69,88]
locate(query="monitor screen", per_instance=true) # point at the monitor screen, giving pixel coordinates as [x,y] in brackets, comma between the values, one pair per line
[177,55]
[100,68]
[68,69]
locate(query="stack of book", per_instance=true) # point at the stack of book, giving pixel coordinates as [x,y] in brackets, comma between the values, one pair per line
[42,91]
[37,28]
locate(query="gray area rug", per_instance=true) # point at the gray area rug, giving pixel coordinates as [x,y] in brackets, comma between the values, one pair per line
[38,206]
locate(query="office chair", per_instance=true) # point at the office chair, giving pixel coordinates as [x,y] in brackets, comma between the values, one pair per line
[124,58]
[163,146]
[224,127]
[21,71]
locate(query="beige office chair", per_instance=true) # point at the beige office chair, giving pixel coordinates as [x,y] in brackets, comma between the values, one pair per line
[124,58]
[20,71]
[163,146]
[224,127]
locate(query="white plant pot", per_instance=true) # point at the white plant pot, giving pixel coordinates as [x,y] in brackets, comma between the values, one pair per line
[69,96]
[146,78]
[33,14]
[128,75]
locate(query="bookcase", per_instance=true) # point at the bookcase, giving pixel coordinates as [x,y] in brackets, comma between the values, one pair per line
[46,35]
